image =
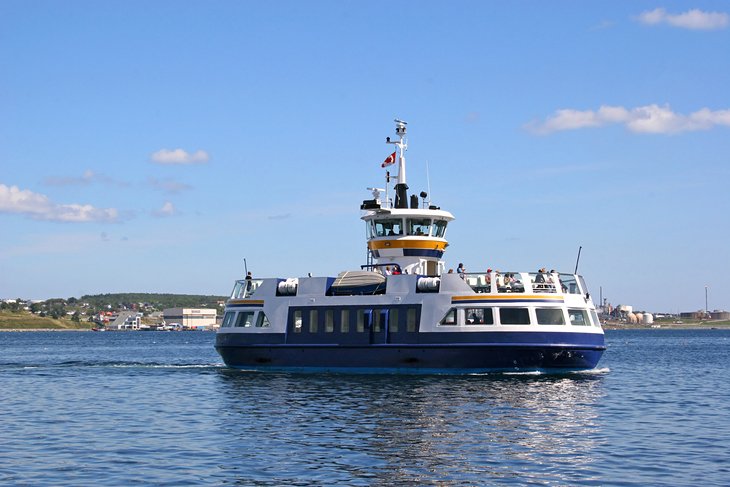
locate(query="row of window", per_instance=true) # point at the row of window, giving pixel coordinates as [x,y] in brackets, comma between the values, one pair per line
[358,320]
[520,316]
[245,319]
[413,226]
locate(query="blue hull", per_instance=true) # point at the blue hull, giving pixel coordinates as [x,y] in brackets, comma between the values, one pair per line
[564,352]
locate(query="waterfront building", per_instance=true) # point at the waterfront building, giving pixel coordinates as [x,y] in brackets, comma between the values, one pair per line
[191,318]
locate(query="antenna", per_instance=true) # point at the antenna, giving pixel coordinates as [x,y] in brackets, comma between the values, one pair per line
[428,183]
[245,267]
[577,260]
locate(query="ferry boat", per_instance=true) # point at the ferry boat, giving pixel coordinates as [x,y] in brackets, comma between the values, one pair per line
[403,311]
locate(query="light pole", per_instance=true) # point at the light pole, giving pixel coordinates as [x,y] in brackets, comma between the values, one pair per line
[707,311]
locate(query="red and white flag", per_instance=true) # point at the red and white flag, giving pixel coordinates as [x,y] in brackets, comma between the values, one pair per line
[389,161]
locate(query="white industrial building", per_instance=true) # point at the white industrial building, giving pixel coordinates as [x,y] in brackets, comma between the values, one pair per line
[192,318]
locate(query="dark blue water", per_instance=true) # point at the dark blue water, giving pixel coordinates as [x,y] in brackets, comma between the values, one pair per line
[83,408]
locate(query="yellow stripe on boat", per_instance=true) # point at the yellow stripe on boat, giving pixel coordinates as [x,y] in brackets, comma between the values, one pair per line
[507,297]
[407,244]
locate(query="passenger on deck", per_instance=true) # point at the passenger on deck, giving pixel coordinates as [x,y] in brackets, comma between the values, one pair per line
[396,270]
[461,270]
[540,277]
[387,270]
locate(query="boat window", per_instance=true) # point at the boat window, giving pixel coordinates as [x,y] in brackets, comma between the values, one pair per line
[479,316]
[313,321]
[419,226]
[579,317]
[297,321]
[411,324]
[439,228]
[594,316]
[262,321]
[245,318]
[360,325]
[393,320]
[345,321]
[377,319]
[450,318]
[228,319]
[387,227]
[514,316]
[550,316]
[329,321]
[238,290]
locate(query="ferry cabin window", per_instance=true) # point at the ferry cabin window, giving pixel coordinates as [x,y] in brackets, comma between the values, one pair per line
[262,321]
[450,318]
[313,321]
[377,319]
[419,226]
[549,316]
[594,316]
[245,319]
[228,319]
[297,321]
[514,316]
[411,324]
[579,317]
[388,227]
[345,321]
[329,321]
[393,320]
[360,324]
[478,316]
[439,228]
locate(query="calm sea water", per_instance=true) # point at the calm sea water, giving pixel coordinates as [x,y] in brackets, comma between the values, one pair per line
[84,408]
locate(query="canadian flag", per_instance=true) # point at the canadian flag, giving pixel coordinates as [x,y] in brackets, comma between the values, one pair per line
[389,161]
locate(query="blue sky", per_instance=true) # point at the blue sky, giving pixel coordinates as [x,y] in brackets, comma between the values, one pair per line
[152,146]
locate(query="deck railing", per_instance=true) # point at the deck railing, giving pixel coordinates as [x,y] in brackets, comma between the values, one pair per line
[522,282]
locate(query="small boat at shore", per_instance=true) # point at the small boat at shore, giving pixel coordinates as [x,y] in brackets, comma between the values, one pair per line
[402,311]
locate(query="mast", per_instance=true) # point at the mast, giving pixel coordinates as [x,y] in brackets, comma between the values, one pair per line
[401,189]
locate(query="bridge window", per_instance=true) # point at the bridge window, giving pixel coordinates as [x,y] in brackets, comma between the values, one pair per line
[388,227]
[550,316]
[594,316]
[419,226]
[514,316]
[439,228]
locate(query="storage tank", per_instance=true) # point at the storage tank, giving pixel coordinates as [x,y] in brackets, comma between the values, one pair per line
[631,317]
[639,317]
[648,318]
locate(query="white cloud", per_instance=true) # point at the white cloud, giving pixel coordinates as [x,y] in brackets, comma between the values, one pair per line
[168,209]
[40,207]
[179,156]
[653,119]
[692,19]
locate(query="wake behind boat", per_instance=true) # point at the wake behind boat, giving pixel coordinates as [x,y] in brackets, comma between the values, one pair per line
[402,311]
